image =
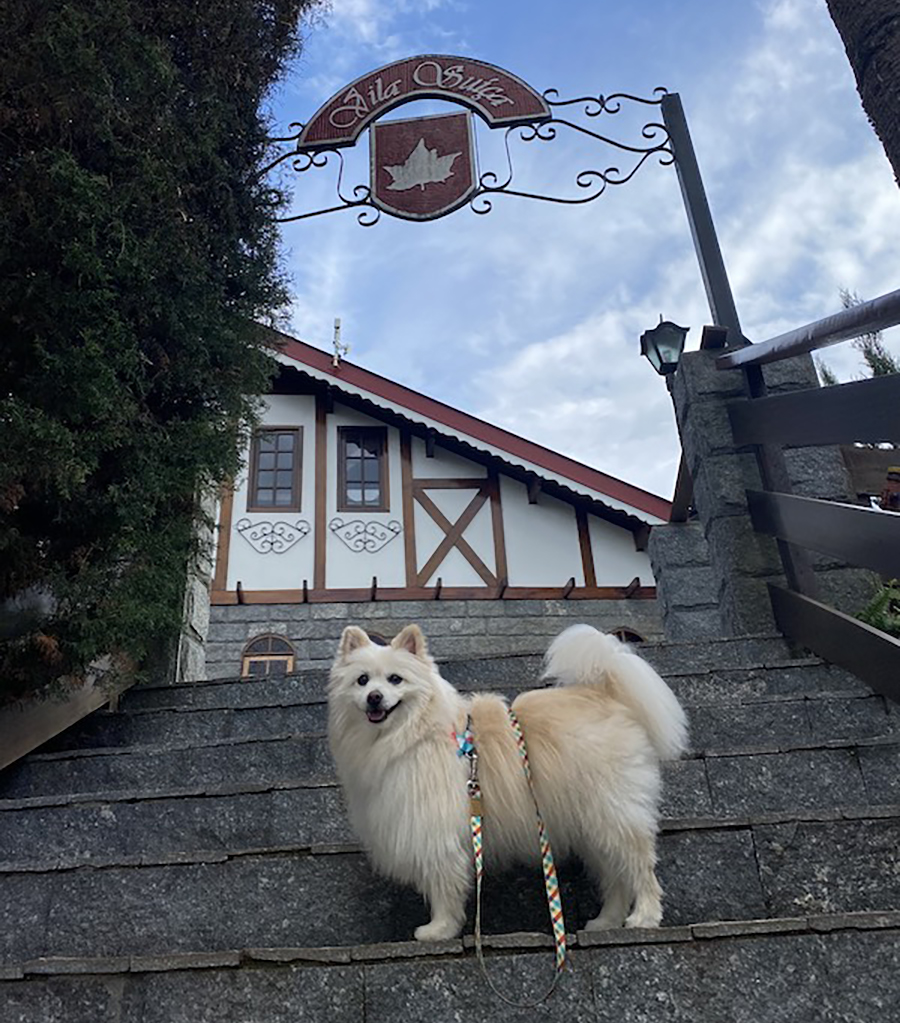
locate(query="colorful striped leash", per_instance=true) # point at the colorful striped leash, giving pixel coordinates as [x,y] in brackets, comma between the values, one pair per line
[466,748]
[551,882]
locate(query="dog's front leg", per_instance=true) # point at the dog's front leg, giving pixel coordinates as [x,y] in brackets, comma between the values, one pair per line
[446,888]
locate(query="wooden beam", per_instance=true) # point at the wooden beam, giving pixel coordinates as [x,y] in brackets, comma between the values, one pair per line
[502,587]
[409,509]
[220,598]
[35,719]
[584,542]
[321,470]
[497,526]
[859,536]
[454,538]
[863,411]
[870,654]
[641,537]
[429,443]
[448,483]
[684,494]
[226,507]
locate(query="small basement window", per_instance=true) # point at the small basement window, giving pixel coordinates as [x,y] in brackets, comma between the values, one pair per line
[267,655]
[627,635]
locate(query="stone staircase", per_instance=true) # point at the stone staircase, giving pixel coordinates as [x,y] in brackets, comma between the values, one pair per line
[187,859]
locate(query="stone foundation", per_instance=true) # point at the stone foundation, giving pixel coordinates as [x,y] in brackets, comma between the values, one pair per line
[454,628]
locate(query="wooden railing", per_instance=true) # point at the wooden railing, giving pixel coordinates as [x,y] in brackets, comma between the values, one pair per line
[866,411]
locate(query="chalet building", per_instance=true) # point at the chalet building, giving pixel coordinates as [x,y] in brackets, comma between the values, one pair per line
[359,490]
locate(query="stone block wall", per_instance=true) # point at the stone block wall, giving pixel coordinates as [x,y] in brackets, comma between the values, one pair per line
[712,573]
[455,628]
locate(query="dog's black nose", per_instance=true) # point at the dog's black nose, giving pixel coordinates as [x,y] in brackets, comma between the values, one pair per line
[374,698]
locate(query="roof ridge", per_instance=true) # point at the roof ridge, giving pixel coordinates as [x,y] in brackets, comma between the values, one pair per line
[423,405]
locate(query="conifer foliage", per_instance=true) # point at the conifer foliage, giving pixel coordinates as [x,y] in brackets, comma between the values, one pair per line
[137,248]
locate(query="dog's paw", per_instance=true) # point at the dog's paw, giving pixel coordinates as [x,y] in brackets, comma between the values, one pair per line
[437,930]
[601,924]
[647,919]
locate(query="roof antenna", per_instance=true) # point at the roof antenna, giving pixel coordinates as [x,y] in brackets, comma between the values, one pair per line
[339,348]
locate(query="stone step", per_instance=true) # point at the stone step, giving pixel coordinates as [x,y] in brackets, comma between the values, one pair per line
[131,828]
[693,680]
[781,771]
[798,968]
[327,898]
[177,726]
[748,718]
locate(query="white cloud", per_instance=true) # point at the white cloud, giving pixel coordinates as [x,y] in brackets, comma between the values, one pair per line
[530,317]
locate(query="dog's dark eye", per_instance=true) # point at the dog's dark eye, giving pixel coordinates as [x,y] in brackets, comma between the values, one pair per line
[395,680]
[362,680]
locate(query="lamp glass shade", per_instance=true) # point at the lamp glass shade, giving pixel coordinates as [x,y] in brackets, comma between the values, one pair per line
[662,346]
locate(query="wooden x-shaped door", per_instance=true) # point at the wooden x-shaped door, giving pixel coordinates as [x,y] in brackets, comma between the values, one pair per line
[486,489]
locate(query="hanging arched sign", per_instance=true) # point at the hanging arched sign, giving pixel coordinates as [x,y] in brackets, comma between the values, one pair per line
[499,97]
[422,168]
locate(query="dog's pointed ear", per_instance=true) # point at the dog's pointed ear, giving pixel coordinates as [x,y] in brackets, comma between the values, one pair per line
[411,640]
[351,639]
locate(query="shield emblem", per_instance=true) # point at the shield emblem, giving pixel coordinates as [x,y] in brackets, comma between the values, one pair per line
[424,167]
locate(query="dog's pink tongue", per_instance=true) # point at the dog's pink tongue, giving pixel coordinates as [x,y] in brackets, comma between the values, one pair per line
[376,716]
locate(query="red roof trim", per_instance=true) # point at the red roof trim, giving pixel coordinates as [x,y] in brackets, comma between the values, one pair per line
[422,405]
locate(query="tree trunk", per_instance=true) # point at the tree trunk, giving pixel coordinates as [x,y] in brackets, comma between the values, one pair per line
[870,30]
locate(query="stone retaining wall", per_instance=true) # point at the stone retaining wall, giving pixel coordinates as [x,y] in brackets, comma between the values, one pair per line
[454,627]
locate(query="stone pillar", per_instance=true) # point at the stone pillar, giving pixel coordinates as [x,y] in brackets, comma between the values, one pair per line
[741,562]
[685,587]
[713,572]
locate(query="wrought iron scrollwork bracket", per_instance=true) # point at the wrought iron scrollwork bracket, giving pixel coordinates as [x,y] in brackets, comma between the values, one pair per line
[589,184]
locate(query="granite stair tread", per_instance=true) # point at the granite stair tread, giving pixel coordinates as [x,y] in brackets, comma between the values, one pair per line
[191,849]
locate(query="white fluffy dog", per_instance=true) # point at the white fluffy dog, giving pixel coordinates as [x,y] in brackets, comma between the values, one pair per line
[594,740]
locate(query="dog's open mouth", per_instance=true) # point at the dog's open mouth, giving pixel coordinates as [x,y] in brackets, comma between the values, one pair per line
[380,714]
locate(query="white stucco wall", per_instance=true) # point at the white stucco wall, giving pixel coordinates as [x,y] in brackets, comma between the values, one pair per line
[444,463]
[271,571]
[616,562]
[541,539]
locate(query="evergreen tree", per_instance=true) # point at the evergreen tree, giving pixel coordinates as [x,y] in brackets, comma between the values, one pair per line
[137,248]
[877,358]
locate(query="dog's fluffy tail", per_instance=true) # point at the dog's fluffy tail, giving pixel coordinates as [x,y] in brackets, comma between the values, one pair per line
[583,656]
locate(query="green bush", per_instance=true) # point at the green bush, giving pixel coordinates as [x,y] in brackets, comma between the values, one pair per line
[138,245]
[884,610]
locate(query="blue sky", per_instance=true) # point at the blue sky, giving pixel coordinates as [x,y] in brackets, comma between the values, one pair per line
[529,317]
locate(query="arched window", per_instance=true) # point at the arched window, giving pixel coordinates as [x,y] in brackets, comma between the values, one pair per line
[267,655]
[627,635]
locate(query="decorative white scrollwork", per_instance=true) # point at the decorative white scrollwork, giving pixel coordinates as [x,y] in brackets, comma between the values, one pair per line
[365,537]
[272,537]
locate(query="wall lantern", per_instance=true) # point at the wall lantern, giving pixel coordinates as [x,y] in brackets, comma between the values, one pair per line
[663,345]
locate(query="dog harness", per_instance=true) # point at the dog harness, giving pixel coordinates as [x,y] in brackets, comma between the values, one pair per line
[465,742]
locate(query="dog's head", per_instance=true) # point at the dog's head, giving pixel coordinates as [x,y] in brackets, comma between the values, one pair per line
[382,684]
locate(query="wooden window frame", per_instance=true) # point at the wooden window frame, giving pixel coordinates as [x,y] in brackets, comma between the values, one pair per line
[297,480]
[384,465]
[267,657]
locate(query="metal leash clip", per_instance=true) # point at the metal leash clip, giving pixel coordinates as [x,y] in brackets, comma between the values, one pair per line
[472,786]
